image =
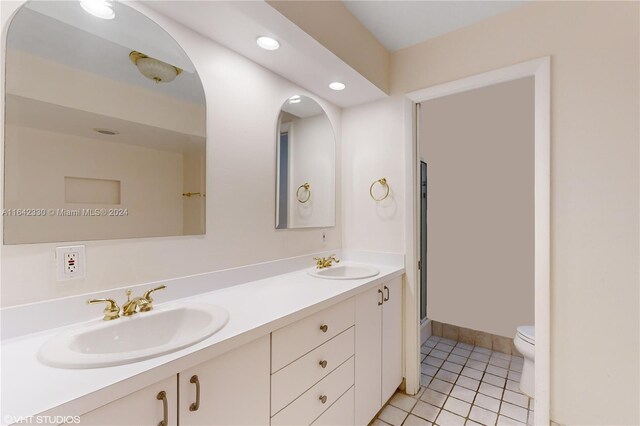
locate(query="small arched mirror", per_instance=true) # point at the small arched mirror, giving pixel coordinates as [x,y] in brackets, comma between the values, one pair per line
[306,166]
[105,126]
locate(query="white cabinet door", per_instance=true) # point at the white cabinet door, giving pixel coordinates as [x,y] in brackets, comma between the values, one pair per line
[140,408]
[234,388]
[368,379]
[391,338]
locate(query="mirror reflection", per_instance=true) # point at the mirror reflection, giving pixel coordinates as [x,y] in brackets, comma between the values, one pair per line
[104,130]
[306,151]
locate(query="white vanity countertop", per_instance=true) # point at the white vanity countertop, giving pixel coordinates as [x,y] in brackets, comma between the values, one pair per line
[255,309]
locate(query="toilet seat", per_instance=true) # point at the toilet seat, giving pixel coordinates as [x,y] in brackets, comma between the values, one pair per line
[527,334]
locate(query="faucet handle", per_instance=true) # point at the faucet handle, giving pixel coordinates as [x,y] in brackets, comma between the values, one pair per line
[147,294]
[111,311]
[149,300]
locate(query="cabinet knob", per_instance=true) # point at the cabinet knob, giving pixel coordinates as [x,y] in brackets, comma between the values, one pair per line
[323,398]
[323,364]
[324,328]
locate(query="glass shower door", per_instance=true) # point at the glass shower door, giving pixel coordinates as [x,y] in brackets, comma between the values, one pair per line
[423,241]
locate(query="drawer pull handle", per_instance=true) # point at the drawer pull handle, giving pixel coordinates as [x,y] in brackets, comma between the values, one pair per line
[381,297]
[323,398]
[195,405]
[162,396]
[387,290]
[324,328]
[323,364]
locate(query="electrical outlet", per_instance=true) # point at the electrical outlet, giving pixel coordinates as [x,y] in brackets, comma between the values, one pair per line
[70,262]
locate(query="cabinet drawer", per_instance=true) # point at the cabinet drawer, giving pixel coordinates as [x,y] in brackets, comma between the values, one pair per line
[308,407]
[291,381]
[291,342]
[340,413]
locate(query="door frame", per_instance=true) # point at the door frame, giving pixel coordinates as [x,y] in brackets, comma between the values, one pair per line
[540,69]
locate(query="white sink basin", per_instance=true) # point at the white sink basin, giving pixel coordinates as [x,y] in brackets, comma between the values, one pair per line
[128,339]
[345,272]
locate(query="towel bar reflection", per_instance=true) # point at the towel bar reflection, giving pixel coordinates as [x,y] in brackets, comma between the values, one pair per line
[193,194]
[383,182]
[306,187]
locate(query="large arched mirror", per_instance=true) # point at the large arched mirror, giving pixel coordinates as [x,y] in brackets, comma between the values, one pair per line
[105,127]
[306,166]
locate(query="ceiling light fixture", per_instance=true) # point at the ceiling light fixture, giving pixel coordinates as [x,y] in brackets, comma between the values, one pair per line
[295,99]
[336,85]
[99,8]
[268,43]
[156,70]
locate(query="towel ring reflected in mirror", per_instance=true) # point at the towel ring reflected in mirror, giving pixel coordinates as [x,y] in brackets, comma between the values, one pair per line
[306,188]
[382,182]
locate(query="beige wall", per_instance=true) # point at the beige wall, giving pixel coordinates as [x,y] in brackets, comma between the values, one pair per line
[373,149]
[479,149]
[194,176]
[595,64]
[150,187]
[594,51]
[244,101]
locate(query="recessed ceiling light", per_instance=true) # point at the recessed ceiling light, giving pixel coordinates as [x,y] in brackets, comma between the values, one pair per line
[294,99]
[107,132]
[336,85]
[268,43]
[99,8]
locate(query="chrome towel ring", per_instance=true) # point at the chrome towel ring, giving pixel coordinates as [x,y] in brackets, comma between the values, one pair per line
[382,182]
[307,188]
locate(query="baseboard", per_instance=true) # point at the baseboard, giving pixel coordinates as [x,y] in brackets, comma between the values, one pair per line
[474,337]
[425,331]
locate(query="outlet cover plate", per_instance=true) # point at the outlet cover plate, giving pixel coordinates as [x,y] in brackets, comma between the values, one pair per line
[64,271]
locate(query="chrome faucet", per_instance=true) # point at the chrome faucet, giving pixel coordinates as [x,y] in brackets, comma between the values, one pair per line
[325,262]
[131,306]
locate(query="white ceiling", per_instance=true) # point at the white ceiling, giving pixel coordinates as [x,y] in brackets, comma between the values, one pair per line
[398,24]
[300,59]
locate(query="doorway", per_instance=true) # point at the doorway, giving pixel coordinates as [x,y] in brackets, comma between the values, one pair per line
[539,69]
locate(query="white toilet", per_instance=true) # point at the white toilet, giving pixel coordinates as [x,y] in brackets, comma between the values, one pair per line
[525,342]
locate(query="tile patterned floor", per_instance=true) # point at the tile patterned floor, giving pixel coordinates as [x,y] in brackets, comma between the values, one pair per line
[462,385]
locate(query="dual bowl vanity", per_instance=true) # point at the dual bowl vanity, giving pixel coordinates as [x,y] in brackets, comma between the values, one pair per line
[290,349]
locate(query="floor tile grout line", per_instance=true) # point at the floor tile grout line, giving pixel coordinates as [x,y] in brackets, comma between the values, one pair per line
[484,374]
